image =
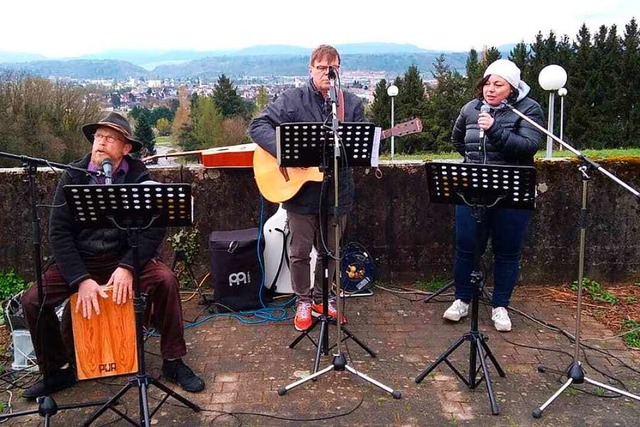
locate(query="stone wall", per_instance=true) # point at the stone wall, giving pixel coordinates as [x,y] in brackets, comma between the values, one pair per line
[409,237]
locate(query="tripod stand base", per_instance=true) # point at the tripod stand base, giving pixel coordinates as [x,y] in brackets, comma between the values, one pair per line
[339,363]
[47,408]
[142,382]
[478,349]
[575,374]
[322,344]
[439,291]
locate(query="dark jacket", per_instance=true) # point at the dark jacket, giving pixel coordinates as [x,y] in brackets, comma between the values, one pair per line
[305,104]
[72,245]
[510,140]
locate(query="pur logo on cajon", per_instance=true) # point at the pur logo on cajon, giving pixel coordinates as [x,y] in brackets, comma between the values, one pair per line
[106,367]
[239,278]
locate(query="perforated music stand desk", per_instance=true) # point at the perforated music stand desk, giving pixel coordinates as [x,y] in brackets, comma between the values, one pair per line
[130,205]
[307,144]
[134,208]
[479,186]
[472,184]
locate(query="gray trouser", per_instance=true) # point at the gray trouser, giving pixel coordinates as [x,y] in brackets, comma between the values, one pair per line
[305,233]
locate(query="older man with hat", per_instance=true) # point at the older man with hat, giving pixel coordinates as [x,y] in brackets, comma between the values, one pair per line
[85,260]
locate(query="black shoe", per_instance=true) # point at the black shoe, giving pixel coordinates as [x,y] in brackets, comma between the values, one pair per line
[177,372]
[58,379]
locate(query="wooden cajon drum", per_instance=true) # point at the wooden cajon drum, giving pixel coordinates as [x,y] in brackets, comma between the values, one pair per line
[105,345]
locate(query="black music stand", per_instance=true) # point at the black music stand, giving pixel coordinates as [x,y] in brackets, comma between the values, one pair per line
[133,208]
[313,145]
[479,186]
[309,144]
[47,406]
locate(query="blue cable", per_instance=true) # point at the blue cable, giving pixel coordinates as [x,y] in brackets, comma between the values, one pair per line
[264,315]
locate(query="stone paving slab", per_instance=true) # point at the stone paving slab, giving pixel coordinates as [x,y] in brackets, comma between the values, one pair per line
[244,365]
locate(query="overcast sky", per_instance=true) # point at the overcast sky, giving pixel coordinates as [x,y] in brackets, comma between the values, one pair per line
[63,28]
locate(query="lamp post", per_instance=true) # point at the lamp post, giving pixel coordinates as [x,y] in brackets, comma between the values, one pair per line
[551,78]
[392,91]
[562,92]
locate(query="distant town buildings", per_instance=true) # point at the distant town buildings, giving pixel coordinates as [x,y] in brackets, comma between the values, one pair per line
[132,92]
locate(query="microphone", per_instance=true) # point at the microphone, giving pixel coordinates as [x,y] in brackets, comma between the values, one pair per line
[333,96]
[332,73]
[484,109]
[107,166]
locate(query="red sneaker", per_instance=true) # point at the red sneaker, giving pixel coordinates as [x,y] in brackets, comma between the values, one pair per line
[303,319]
[318,309]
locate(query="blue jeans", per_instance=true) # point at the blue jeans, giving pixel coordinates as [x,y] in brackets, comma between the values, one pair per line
[506,228]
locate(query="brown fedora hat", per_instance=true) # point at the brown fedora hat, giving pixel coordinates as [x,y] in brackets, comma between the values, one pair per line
[116,122]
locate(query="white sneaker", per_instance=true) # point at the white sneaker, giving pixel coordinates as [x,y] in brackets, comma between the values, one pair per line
[501,320]
[457,311]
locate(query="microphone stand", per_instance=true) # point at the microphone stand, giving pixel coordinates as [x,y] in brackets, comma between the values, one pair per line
[575,372]
[47,406]
[339,361]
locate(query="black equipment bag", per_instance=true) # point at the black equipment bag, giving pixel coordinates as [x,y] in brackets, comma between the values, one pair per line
[236,275]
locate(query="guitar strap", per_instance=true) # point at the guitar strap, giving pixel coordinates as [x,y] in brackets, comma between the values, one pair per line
[341,106]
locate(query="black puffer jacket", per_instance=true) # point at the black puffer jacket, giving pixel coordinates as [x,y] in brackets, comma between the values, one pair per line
[510,140]
[72,246]
[306,104]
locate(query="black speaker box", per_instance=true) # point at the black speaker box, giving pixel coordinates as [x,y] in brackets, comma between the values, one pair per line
[236,274]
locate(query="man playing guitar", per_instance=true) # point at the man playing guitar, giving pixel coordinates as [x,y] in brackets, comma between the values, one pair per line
[311,104]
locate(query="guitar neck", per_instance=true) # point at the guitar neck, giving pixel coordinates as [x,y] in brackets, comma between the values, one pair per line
[401,129]
[180,154]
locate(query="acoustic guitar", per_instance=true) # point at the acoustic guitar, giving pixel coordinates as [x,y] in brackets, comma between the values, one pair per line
[280,184]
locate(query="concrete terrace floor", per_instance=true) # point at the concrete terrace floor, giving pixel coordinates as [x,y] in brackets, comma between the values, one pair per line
[245,364]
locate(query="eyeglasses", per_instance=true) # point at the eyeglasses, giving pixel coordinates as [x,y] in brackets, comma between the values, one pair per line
[325,68]
[109,138]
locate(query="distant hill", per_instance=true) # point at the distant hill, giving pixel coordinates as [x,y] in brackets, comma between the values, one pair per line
[282,60]
[20,57]
[79,69]
[297,65]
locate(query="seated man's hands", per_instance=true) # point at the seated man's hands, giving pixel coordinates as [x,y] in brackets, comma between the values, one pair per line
[122,282]
[88,292]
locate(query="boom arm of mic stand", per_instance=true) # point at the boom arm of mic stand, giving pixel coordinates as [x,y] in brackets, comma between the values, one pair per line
[44,162]
[578,154]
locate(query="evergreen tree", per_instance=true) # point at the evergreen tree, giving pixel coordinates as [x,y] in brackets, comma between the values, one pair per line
[186,137]
[628,96]
[162,113]
[579,91]
[444,101]
[410,103]
[519,55]
[542,54]
[474,69]
[115,100]
[380,110]
[144,133]
[490,55]
[607,126]
[227,100]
